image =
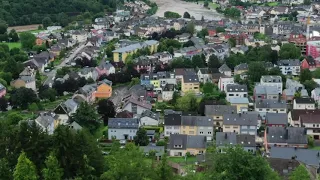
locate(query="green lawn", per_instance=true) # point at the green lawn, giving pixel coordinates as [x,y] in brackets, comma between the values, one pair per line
[211,4]
[182,159]
[316,148]
[13,45]
[273,4]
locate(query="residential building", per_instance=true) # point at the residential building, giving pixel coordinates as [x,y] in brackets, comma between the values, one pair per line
[294,116]
[122,53]
[28,71]
[172,124]
[24,81]
[46,121]
[289,66]
[122,128]
[310,63]
[286,137]
[75,126]
[276,119]
[3,90]
[86,93]
[135,104]
[104,89]
[288,95]
[236,91]
[224,81]
[205,74]
[167,92]
[265,106]
[304,103]
[242,104]
[89,72]
[272,81]
[190,83]
[224,69]
[315,94]
[284,167]
[217,113]
[65,110]
[80,36]
[181,144]
[197,125]
[227,139]
[149,118]
[312,124]
[183,38]
[265,92]
[295,85]
[241,68]
[242,123]
[166,78]
[183,71]
[105,68]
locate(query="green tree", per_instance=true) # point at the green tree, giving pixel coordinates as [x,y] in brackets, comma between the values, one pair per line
[220,29]
[184,102]
[306,2]
[163,170]
[186,15]
[316,74]
[310,85]
[5,171]
[28,40]
[46,22]
[232,42]
[289,51]
[300,173]
[52,171]
[106,109]
[190,27]
[213,62]
[197,61]
[305,74]
[3,28]
[22,97]
[14,118]
[310,141]
[13,35]
[206,3]
[25,169]
[86,116]
[256,70]
[203,33]
[141,138]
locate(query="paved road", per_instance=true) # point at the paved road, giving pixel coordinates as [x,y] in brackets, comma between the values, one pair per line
[52,74]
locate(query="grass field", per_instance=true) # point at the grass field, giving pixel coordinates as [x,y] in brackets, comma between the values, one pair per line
[316,148]
[273,4]
[182,159]
[13,45]
[211,4]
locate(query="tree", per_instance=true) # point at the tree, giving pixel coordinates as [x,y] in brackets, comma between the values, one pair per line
[203,33]
[232,42]
[213,62]
[22,97]
[315,74]
[197,61]
[106,109]
[25,169]
[14,118]
[310,141]
[306,2]
[47,93]
[3,28]
[169,14]
[28,40]
[289,51]
[3,104]
[190,27]
[163,170]
[220,29]
[141,138]
[184,102]
[188,44]
[310,85]
[305,74]
[46,22]
[300,173]
[206,3]
[86,116]
[5,171]
[52,171]
[186,15]
[256,70]
[13,35]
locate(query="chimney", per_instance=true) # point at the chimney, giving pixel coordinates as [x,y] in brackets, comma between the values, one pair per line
[225,136]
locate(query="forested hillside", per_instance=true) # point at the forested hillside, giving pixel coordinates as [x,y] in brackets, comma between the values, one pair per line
[24,12]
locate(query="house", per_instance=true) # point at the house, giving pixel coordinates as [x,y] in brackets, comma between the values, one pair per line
[149,118]
[272,81]
[122,128]
[294,116]
[276,119]
[242,104]
[217,113]
[172,124]
[164,57]
[315,94]
[227,139]
[3,90]
[265,92]
[197,125]
[242,123]
[89,73]
[236,91]
[289,66]
[304,103]
[166,78]
[106,68]
[309,63]
[86,93]
[190,83]
[311,122]
[136,105]
[241,68]
[181,144]
[80,36]
[159,150]
[104,89]
[121,54]
[65,110]
[183,38]
[24,81]
[205,74]
[167,92]
[46,121]
[295,85]
[224,81]
[265,106]
[28,71]
[224,69]
[286,137]
[288,95]
[75,126]
[183,71]
[283,167]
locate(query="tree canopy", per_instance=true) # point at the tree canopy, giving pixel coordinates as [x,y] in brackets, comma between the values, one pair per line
[300,173]
[25,169]
[289,51]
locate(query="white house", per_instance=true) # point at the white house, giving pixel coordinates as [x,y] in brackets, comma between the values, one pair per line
[204,75]
[224,81]
[289,66]
[122,128]
[236,91]
[315,94]
[136,105]
[224,69]
[272,81]
[167,92]
[304,103]
[149,118]
[46,122]
[80,36]
[265,106]
[172,123]
[312,124]
[89,72]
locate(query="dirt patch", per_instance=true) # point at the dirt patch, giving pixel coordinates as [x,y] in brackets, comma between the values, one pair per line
[24,28]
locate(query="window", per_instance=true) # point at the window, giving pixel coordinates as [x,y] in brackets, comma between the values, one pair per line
[244,127]
[268,109]
[235,127]
[314,125]
[191,132]
[209,132]
[227,127]
[201,132]
[231,94]
[260,109]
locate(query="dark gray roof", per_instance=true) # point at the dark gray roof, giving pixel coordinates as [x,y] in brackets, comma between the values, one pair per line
[190,78]
[236,88]
[196,121]
[226,138]
[307,156]
[304,101]
[246,140]
[123,123]
[269,79]
[289,62]
[45,119]
[224,68]
[270,103]
[260,89]
[150,114]
[277,118]
[290,135]
[187,141]
[158,149]
[219,110]
[241,67]
[178,140]
[172,120]
[241,119]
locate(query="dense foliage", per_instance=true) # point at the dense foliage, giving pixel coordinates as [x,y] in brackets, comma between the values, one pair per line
[169,14]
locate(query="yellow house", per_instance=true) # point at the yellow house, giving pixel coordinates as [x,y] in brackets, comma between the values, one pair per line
[155,83]
[181,144]
[190,83]
[122,53]
[241,103]
[217,112]
[241,68]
